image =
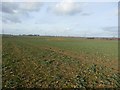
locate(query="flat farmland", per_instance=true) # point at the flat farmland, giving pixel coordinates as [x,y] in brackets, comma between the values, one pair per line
[59,62]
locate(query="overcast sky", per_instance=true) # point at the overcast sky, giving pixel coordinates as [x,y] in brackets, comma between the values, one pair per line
[64,18]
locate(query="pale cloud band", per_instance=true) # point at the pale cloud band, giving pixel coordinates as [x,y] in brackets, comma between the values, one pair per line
[59,0]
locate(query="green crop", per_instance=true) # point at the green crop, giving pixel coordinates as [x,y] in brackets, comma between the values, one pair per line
[58,62]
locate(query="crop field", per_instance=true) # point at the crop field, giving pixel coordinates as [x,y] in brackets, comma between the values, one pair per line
[59,62]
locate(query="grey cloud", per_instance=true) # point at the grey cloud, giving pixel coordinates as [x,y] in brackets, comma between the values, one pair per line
[113,29]
[11,19]
[86,14]
[8,7]
[12,11]
[20,7]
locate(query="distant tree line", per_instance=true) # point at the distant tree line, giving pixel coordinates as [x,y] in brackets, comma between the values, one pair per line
[106,38]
